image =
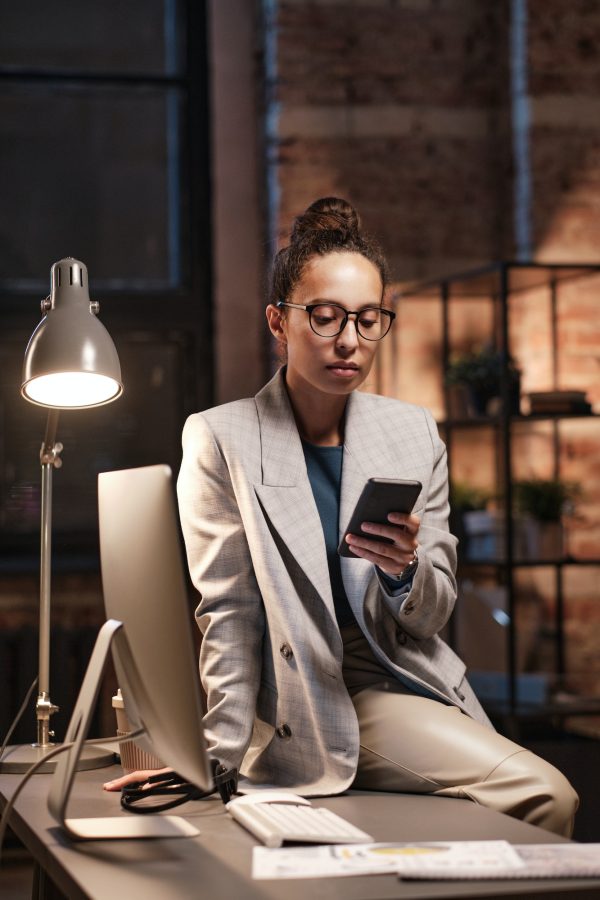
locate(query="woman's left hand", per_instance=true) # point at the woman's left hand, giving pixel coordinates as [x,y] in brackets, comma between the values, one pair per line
[142,775]
[390,558]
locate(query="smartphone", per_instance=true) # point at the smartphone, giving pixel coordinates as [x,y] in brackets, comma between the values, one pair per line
[379,497]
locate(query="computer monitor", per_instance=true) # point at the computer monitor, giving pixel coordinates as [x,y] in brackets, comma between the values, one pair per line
[149,625]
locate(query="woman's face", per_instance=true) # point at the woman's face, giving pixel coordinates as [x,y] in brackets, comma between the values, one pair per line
[331,365]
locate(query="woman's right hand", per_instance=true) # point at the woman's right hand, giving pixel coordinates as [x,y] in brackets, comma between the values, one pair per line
[141,775]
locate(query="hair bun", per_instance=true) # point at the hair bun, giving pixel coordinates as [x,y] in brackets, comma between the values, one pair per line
[327,214]
[329,225]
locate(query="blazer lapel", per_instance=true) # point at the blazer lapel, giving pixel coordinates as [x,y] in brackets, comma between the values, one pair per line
[285,492]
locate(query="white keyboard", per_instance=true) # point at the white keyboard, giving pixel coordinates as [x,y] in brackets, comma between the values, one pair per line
[292,819]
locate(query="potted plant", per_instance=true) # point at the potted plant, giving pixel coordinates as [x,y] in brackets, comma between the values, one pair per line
[478,375]
[541,504]
[475,527]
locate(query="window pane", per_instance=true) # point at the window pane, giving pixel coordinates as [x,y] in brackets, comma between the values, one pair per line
[138,36]
[91,172]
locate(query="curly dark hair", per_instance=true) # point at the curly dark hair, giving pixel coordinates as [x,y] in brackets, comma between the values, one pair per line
[329,225]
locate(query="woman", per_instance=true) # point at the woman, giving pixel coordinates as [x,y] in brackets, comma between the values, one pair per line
[323,672]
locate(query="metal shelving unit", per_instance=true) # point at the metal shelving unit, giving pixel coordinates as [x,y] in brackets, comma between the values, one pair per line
[498,282]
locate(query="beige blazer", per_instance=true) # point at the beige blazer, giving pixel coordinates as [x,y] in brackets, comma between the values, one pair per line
[271,655]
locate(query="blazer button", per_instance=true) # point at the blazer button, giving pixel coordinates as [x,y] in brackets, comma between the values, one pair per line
[284,731]
[286,651]
[408,609]
[459,694]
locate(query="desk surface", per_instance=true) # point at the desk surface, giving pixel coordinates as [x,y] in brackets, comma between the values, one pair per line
[217,864]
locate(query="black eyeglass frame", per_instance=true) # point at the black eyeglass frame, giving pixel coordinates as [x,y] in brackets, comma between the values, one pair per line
[388,315]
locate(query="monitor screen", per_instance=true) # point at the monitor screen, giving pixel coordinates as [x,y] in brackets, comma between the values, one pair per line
[149,629]
[145,588]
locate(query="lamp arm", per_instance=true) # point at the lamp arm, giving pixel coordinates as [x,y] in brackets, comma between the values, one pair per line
[50,451]
[49,459]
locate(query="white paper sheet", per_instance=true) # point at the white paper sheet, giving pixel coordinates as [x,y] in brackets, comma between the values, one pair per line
[568,860]
[443,860]
[370,859]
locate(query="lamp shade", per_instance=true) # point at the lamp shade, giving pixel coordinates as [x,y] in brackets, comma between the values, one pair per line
[71,361]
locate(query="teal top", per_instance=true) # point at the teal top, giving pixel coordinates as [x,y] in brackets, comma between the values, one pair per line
[324,467]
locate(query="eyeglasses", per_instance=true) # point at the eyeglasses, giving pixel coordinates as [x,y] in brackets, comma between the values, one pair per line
[329,319]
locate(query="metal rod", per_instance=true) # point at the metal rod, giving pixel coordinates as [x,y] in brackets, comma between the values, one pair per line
[45,561]
[505,425]
[448,431]
[49,459]
[554,327]
[559,626]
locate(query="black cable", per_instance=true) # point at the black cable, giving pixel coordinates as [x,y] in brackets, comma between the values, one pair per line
[17,718]
[172,785]
[226,780]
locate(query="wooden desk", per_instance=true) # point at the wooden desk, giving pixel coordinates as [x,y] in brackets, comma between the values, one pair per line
[217,864]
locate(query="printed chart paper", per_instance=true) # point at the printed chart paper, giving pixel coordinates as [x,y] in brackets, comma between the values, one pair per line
[442,860]
[371,859]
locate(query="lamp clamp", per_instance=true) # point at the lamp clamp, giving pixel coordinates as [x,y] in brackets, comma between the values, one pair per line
[44,708]
[50,454]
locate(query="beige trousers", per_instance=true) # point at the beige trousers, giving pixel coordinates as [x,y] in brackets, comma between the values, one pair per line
[412,744]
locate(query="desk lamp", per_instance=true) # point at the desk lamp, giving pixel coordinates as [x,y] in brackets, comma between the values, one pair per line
[70,363]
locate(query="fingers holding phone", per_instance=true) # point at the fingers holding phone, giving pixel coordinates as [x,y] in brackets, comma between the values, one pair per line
[390,546]
[382,528]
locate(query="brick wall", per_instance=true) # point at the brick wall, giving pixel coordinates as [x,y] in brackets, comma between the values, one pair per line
[564,77]
[405,108]
[399,107]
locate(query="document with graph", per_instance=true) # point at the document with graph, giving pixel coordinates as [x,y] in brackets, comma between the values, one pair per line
[430,860]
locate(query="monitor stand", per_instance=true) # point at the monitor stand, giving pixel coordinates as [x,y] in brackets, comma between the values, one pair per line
[111,827]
